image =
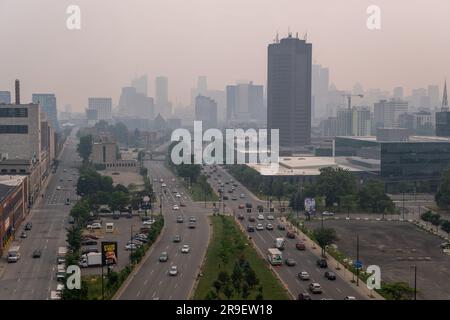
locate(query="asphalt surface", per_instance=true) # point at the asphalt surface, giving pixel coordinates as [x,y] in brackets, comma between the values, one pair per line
[152,281]
[33,279]
[264,239]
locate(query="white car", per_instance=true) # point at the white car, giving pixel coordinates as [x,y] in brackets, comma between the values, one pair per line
[185,249]
[178,195]
[163,185]
[242,196]
[315,287]
[270,217]
[173,271]
[260,217]
[176,207]
[328,213]
[259,227]
[349,298]
[131,246]
[161,180]
[58,188]
[303,275]
[148,222]
[95,225]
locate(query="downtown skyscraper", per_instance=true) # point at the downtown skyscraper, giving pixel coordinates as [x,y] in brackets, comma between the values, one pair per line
[289,91]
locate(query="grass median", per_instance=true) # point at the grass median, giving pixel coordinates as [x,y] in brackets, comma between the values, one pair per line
[233,269]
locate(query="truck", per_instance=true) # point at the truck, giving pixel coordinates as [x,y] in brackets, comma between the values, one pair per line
[274,256]
[90,259]
[279,243]
[61,258]
[13,254]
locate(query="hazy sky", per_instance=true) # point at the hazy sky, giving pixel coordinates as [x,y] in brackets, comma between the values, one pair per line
[225,40]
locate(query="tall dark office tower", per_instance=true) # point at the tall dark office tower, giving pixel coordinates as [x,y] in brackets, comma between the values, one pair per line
[289,91]
[443,117]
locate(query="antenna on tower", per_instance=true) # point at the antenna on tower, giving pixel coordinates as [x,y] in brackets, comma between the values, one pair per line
[305,36]
[276,38]
[289,32]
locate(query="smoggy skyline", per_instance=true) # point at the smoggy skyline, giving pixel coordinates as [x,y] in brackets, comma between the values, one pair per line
[224,40]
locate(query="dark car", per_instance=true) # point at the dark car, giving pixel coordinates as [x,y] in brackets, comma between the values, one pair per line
[23,235]
[290,235]
[225,198]
[300,246]
[37,253]
[180,219]
[248,205]
[89,243]
[290,262]
[260,208]
[71,220]
[177,238]
[240,216]
[28,226]
[330,275]
[322,263]
[304,296]
[281,227]
[191,225]
[250,229]
[251,219]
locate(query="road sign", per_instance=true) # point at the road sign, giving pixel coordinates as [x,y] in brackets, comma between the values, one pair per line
[358,264]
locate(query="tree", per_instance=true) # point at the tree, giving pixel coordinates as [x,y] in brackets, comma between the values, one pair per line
[84,148]
[119,200]
[442,196]
[228,291]
[74,238]
[445,226]
[278,190]
[251,278]
[397,291]
[348,202]
[373,198]
[333,183]
[296,202]
[245,291]
[325,237]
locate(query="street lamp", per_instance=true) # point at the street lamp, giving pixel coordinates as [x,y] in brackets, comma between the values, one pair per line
[415,281]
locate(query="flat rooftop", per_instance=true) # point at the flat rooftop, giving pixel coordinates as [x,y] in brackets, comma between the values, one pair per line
[411,139]
[9,183]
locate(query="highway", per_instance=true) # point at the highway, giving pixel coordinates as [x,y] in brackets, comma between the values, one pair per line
[306,261]
[33,279]
[151,280]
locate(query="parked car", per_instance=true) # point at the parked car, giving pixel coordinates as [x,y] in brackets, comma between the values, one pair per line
[259,227]
[281,227]
[250,229]
[328,213]
[290,235]
[260,217]
[269,226]
[303,275]
[241,206]
[95,225]
[300,246]
[330,275]
[251,219]
[270,217]
[131,246]
[89,243]
[290,262]
[248,205]
[322,263]
[240,216]
[315,288]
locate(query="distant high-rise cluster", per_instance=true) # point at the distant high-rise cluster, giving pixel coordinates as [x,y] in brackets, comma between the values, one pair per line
[245,103]
[206,111]
[99,109]
[47,101]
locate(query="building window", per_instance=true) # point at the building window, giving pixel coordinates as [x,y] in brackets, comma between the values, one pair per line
[13,170]
[4,171]
[23,171]
[13,129]
[13,113]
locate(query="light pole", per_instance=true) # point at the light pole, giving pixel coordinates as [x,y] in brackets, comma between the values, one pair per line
[357,260]
[415,282]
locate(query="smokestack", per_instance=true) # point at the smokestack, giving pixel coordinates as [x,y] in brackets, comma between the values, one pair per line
[17,91]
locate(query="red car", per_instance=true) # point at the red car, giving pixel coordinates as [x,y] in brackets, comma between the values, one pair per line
[241,206]
[290,235]
[300,246]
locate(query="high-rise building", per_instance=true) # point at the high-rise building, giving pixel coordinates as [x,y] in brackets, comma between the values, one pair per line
[433,95]
[47,102]
[206,111]
[344,122]
[443,117]
[320,79]
[135,105]
[102,107]
[140,84]
[386,113]
[289,91]
[5,97]
[398,93]
[245,102]
[162,104]
[329,127]
[361,121]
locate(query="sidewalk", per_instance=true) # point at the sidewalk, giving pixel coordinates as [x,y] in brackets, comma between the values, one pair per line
[334,265]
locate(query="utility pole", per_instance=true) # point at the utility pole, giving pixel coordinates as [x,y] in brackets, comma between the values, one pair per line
[415,282]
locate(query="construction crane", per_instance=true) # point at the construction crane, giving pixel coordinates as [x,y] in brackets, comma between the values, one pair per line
[349,98]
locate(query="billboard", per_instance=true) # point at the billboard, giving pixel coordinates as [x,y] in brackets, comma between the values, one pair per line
[310,205]
[109,253]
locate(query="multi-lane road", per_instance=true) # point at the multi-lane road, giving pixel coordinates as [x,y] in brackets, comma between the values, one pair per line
[151,280]
[34,279]
[264,239]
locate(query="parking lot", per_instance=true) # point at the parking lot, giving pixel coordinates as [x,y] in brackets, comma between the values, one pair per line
[124,228]
[396,247]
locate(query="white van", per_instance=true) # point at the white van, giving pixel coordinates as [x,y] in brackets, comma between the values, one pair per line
[109,227]
[13,254]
